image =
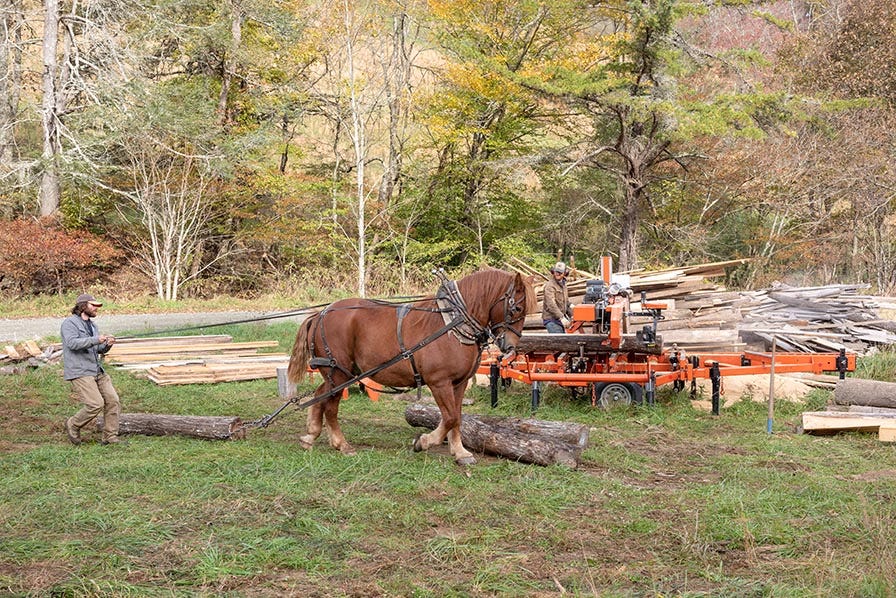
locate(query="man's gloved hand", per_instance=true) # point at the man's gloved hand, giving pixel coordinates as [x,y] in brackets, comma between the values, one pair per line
[565,321]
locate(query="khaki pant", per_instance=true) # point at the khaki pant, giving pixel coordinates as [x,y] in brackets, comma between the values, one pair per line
[98,397]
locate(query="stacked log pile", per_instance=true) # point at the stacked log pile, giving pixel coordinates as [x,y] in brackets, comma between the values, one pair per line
[15,359]
[704,316]
[196,359]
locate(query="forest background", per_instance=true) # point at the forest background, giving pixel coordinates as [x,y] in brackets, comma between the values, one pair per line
[190,148]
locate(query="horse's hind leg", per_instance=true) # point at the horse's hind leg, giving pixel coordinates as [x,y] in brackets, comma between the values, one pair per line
[337,439]
[315,420]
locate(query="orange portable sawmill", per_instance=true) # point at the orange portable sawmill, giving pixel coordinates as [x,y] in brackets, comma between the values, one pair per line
[600,358]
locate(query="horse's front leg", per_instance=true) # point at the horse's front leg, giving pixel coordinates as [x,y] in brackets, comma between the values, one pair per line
[448,397]
[455,443]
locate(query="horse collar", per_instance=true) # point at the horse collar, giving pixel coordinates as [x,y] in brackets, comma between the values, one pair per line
[452,305]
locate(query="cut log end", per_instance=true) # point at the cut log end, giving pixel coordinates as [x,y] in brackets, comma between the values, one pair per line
[528,441]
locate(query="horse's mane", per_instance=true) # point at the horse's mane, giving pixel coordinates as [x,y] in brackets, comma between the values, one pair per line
[480,289]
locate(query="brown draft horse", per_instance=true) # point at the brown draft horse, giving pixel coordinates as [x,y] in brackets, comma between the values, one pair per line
[352,336]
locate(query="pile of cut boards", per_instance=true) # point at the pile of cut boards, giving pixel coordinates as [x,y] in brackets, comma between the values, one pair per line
[704,316]
[196,359]
[14,359]
[859,406]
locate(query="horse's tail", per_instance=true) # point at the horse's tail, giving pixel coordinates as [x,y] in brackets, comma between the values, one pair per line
[298,362]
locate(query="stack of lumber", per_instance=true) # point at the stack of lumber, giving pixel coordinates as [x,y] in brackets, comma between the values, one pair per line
[659,284]
[810,319]
[703,316]
[196,359]
[860,406]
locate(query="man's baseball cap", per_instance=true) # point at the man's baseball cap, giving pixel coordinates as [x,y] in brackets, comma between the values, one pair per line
[85,298]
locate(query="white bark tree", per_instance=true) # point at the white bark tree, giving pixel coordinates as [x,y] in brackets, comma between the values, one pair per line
[169,199]
[48,193]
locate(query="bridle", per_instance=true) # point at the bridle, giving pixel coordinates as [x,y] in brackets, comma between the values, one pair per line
[513,313]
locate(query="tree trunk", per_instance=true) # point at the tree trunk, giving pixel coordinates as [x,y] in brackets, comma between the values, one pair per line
[528,441]
[854,391]
[48,194]
[229,64]
[195,426]
[11,22]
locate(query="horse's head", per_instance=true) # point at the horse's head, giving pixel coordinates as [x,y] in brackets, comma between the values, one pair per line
[507,314]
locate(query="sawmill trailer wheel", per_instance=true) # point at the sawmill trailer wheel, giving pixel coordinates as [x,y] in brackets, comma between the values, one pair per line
[612,395]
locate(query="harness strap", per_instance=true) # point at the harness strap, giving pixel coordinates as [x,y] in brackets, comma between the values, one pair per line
[406,354]
[329,361]
[452,306]
[418,379]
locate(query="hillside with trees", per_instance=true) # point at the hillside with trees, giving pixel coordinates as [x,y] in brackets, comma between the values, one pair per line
[241,146]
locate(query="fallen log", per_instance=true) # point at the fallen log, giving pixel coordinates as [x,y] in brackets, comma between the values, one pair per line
[529,441]
[590,343]
[207,427]
[855,391]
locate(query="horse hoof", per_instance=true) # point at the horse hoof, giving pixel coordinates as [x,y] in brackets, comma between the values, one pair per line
[466,461]
[306,444]
[347,450]
[418,446]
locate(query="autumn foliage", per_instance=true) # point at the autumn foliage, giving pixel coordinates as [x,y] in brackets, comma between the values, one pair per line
[38,257]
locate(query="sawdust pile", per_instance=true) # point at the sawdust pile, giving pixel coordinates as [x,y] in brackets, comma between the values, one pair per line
[750,388]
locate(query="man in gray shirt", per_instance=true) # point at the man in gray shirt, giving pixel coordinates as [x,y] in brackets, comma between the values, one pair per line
[82,349]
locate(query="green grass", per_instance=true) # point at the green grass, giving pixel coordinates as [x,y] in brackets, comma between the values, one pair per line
[668,501]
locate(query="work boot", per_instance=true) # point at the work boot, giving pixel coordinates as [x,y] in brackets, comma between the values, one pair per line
[73,433]
[113,440]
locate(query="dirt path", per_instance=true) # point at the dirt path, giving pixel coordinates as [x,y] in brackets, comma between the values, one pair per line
[22,329]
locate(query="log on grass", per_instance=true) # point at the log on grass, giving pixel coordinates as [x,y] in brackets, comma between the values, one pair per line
[855,391]
[529,441]
[207,427]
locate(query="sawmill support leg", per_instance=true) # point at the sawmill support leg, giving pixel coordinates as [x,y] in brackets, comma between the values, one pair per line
[650,390]
[715,377]
[493,383]
[536,394]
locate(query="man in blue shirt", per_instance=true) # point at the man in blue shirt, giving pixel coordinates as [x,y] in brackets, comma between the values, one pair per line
[82,349]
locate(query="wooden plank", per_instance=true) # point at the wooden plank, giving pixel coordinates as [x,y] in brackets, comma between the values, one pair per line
[168,340]
[185,348]
[836,421]
[887,433]
[32,348]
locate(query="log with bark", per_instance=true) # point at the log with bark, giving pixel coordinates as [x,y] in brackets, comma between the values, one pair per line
[855,391]
[540,442]
[590,343]
[207,427]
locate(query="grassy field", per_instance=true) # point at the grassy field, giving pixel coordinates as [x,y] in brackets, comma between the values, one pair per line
[669,501]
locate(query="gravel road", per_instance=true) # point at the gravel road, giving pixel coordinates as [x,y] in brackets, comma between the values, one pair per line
[23,329]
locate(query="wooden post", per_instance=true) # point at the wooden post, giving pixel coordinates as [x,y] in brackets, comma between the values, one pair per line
[285,388]
[771,388]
